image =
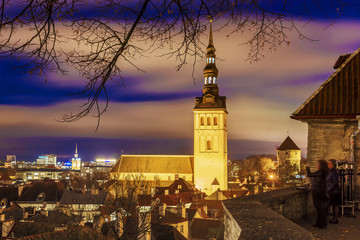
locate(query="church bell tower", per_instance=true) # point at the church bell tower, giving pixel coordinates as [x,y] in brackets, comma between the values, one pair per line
[210,130]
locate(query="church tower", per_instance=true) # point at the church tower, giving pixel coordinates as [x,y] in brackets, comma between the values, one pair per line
[210,130]
[76,161]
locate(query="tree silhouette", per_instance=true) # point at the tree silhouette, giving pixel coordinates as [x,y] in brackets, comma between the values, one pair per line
[111,32]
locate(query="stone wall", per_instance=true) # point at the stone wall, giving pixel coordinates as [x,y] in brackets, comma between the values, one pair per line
[268,215]
[330,138]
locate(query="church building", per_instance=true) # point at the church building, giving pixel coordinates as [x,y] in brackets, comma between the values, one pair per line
[207,168]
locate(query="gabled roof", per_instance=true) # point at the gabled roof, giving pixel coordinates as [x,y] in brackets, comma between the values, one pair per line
[4,176]
[165,232]
[10,193]
[214,206]
[203,228]
[53,191]
[71,197]
[288,144]
[185,186]
[169,218]
[182,164]
[338,96]
[215,182]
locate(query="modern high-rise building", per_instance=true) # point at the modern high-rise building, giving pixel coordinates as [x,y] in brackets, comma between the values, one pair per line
[10,160]
[76,161]
[47,159]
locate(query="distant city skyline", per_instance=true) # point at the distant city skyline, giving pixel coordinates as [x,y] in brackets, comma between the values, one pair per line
[141,117]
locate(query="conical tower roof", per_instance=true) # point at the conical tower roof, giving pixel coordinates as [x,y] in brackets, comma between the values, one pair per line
[288,144]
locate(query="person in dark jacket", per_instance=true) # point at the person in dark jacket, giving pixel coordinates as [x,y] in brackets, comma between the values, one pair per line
[333,190]
[319,192]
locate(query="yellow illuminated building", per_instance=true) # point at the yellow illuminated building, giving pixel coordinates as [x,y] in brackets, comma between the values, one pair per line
[76,161]
[207,168]
[210,130]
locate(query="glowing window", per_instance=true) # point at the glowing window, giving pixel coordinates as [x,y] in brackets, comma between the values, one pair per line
[206,80]
[215,121]
[214,80]
[202,121]
[208,145]
[208,121]
[213,60]
[210,80]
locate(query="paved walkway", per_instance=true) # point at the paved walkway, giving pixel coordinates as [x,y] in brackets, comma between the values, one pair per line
[347,229]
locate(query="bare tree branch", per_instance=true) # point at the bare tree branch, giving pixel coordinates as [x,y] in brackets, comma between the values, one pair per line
[111,33]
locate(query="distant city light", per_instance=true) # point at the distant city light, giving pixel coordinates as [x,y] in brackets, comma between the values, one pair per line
[106,161]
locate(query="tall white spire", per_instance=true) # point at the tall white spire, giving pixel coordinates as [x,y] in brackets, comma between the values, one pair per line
[76,155]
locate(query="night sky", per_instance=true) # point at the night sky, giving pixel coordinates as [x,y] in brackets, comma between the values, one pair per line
[151,112]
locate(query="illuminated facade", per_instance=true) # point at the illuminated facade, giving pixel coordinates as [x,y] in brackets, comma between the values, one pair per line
[76,161]
[208,165]
[210,130]
[289,153]
[48,159]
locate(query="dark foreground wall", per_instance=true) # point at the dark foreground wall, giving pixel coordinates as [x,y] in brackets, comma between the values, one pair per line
[268,215]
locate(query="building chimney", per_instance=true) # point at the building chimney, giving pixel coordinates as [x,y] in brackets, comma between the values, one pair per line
[205,209]
[94,191]
[181,211]
[44,212]
[20,190]
[162,209]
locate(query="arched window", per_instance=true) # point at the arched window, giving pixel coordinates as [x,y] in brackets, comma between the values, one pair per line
[208,145]
[209,80]
[206,80]
[215,121]
[214,80]
[208,121]
[202,121]
[213,60]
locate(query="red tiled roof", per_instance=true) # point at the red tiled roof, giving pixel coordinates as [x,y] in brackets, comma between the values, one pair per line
[169,218]
[214,206]
[338,96]
[169,200]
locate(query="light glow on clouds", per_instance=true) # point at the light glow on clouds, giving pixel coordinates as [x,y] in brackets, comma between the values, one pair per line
[260,96]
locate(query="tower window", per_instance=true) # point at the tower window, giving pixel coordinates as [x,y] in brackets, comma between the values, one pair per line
[208,121]
[213,60]
[215,121]
[209,80]
[208,145]
[214,80]
[206,80]
[202,121]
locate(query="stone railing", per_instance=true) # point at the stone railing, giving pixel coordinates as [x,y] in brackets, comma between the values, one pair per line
[268,215]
